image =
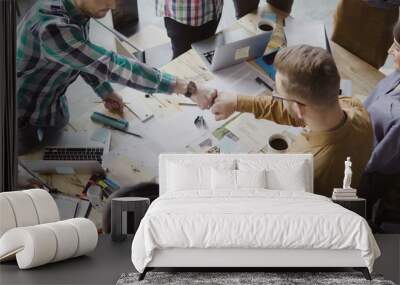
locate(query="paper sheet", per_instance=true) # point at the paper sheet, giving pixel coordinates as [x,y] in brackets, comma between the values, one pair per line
[252,133]
[131,163]
[346,87]
[305,31]
[84,123]
[203,144]
[100,135]
[239,78]
[174,133]
[135,102]
[157,105]
[229,144]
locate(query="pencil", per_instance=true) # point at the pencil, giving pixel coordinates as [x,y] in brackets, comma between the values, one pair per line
[127,132]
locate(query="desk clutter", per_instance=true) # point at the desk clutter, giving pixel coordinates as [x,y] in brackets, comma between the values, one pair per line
[165,118]
[98,188]
[71,207]
[172,117]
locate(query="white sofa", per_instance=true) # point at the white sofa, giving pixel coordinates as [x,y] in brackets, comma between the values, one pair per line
[31,231]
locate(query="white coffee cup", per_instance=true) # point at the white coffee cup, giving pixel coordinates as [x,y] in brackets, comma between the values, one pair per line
[265,25]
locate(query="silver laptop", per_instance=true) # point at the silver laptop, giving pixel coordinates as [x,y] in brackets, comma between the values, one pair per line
[227,48]
[73,153]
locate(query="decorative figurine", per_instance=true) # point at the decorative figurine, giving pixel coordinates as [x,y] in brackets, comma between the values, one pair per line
[345,193]
[347,174]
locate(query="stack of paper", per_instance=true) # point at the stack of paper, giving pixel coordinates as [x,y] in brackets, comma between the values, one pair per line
[305,31]
[344,194]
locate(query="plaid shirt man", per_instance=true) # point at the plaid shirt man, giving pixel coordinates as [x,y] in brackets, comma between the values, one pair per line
[53,50]
[190,12]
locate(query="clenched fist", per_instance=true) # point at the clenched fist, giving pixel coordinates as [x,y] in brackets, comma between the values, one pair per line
[113,102]
[204,97]
[224,105]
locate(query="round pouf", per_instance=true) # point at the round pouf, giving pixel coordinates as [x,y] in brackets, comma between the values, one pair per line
[126,214]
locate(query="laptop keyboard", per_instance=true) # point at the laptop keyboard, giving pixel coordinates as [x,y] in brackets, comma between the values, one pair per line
[83,154]
[209,55]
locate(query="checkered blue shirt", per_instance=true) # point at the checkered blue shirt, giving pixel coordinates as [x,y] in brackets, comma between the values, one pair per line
[53,49]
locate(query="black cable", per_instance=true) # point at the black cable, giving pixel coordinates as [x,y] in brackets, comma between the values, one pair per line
[31,173]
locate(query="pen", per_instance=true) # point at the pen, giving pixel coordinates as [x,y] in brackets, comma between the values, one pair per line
[262,82]
[130,133]
[187,104]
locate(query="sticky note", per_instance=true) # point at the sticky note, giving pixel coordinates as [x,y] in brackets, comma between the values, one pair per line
[242,53]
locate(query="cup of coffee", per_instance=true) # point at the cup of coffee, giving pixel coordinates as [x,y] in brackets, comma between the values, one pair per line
[278,143]
[265,26]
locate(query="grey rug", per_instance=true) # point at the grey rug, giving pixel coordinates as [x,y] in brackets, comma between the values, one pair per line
[243,278]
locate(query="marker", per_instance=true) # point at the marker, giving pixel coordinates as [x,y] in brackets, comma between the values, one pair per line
[111,183]
[102,184]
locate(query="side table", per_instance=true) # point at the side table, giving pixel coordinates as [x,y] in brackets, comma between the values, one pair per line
[126,214]
[357,205]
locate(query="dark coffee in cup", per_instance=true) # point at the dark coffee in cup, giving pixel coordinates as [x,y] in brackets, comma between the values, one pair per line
[277,143]
[265,27]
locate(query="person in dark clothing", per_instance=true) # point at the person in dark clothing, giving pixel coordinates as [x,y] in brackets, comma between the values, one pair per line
[191,21]
[381,180]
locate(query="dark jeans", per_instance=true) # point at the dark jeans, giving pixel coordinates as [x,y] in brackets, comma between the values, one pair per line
[31,138]
[243,7]
[283,5]
[182,36]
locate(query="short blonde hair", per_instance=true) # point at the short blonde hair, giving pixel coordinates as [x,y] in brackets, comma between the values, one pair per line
[310,74]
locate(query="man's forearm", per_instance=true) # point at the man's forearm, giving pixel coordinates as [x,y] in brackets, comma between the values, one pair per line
[66,45]
[264,107]
[102,89]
